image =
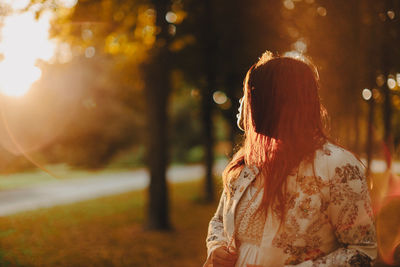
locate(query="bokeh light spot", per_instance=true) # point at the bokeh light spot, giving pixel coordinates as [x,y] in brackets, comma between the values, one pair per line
[321,11]
[194,93]
[148,30]
[64,53]
[90,52]
[171,17]
[172,29]
[288,4]
[380,80]
[300,46]
[366,94]
[219,97]
[391,14]
[87,34]
[376,95]
[391,83]
[150,12]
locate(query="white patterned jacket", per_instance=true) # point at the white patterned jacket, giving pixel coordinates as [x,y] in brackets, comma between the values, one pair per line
[329,219]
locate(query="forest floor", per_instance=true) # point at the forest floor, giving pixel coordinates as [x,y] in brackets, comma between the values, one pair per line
[108,231]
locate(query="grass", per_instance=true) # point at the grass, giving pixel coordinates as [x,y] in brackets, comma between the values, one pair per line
[108,232]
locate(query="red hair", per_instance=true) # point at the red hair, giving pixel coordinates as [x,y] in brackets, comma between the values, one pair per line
[283,121]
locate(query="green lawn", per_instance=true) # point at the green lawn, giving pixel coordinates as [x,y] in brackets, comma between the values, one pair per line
[108,232]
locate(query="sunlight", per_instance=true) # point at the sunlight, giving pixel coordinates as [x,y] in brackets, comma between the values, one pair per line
[24,41]
[67,3]
[17,4]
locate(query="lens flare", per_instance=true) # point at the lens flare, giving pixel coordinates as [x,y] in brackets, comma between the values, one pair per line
[386,205]
[388,229]
[21,149]
[67,3]
[24,44]
[24,41]
[17,4]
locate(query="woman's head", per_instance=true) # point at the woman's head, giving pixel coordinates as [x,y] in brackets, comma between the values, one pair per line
[281,95]
[283,121]
[281,104]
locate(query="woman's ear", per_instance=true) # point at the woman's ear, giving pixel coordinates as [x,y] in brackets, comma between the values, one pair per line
[239,116]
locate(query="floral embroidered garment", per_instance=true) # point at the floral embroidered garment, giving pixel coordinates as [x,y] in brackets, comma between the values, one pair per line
[329,220]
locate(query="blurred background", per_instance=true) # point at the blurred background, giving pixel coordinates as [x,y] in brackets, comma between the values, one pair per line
[118,116]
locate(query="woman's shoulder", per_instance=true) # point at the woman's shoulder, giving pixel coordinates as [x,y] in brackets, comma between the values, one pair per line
[335,154]
[248,172]
[332,158]
[243,173]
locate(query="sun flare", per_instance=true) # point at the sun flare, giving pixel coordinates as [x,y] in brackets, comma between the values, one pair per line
[24,41]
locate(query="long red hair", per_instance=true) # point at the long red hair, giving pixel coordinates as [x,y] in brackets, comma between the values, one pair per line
[284,124]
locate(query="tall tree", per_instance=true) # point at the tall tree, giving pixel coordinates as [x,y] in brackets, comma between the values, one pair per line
[157,91]
[386,68]
[210,69]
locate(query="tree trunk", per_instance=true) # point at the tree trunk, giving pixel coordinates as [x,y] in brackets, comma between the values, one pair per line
[359,67]
[369,143]
[208,141]
[386,49]
[234,40]
[156,73]
[210,54]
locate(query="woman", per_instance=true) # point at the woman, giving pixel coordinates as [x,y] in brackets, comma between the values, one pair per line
[291,196]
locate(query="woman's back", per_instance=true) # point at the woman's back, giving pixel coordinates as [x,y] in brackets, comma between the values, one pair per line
[328,216]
